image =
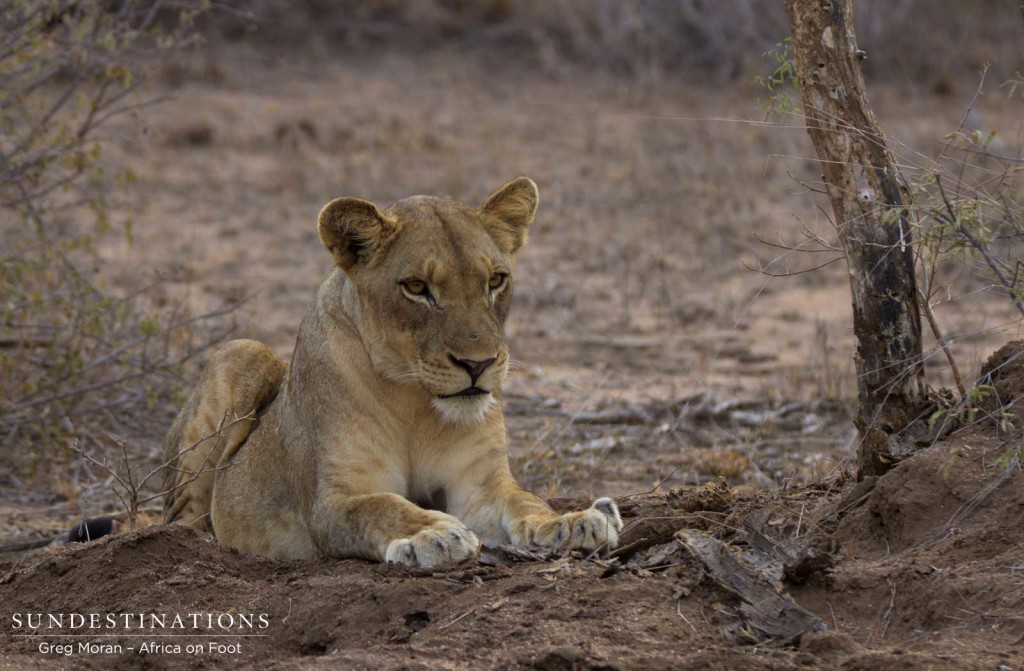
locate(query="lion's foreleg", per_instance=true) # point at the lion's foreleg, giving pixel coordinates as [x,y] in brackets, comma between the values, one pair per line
[499,510]
[388,527]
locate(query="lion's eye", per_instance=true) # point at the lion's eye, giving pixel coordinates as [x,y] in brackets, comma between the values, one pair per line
[416,287]
[497,281]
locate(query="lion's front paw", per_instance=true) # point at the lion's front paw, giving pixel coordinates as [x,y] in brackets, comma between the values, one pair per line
[441,543]
[597,526]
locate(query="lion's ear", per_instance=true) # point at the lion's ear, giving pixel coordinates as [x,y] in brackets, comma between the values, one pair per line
[354,230]
[510,211]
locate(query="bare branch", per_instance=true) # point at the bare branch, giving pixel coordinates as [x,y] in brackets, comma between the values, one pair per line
[129,492]
[994,265]
[926,308]
[791,273]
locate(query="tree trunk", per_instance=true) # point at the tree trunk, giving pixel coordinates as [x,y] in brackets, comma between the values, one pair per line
[873,227]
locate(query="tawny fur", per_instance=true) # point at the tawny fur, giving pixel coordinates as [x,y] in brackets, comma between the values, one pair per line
[355,449]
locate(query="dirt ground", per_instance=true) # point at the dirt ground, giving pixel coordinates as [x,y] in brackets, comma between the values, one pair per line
[650,358]
[923,571]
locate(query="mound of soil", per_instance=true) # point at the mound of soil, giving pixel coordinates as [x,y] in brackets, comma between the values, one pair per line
[926,573]
[1004,372]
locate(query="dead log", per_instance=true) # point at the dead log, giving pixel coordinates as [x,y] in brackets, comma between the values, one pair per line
[797,561]
[767,614]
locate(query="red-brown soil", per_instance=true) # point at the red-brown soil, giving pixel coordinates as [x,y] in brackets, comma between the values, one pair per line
[928,573]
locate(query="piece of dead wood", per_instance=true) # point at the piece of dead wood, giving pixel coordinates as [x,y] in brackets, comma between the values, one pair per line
[767,614]
[625,416]
[644,533]
[798,561]
[473,574]
[507,555]
[662,556]
[658,518]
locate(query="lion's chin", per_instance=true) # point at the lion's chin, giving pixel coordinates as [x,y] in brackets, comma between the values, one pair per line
[463,410]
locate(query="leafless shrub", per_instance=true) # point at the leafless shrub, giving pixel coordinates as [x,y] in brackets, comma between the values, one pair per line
[969,212]
[131,482]
[77,356]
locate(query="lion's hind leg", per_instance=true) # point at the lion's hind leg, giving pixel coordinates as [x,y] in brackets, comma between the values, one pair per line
[241,378]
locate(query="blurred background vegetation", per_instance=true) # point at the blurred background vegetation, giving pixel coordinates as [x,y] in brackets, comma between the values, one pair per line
[922,44]
[161,162]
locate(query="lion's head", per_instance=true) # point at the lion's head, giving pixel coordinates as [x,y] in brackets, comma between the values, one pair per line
[434,281]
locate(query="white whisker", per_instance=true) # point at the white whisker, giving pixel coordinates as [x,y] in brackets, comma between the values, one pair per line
[400,373]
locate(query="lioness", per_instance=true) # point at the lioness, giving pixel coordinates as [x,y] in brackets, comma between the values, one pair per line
[384,437]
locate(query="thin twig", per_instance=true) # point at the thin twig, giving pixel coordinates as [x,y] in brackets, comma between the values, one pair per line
[679,612]
[466,614]
[128,491]
[792,273]
[888,611]
[926,308]
[652,489]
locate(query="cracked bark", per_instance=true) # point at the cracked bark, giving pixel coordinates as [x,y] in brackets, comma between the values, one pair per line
[874,228]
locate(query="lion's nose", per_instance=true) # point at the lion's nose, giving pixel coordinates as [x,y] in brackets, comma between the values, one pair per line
[474,368]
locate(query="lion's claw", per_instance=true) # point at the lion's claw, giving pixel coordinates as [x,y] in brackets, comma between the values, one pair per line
[443,542]
[596,527]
